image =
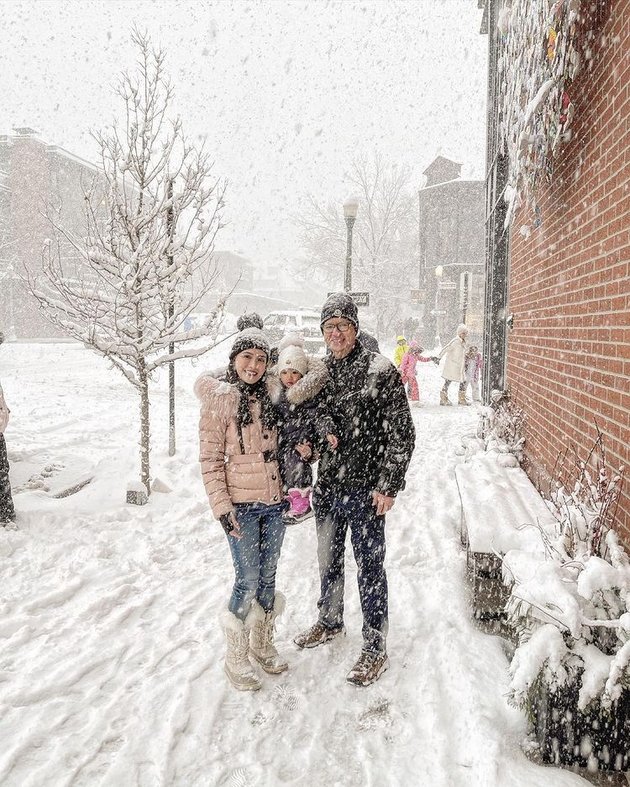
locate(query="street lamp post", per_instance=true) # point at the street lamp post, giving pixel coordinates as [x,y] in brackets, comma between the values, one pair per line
[350,209]
[438,278]
[10,275]
[171,345]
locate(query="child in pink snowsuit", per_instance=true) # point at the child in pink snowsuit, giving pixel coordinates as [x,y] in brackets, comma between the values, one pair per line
[408,370]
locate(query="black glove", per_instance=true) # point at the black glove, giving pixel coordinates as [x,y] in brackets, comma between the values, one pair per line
[435,360]
[226,523]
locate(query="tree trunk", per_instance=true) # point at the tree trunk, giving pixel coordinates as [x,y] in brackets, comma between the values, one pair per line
[145,442]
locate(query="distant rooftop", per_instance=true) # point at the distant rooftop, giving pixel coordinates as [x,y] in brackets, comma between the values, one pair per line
[25,131]
[442,169]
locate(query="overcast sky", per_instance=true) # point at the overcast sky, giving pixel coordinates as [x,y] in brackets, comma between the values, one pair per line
[285,92]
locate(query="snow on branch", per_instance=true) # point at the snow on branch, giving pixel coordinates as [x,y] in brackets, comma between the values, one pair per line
[542,48]
[143,262]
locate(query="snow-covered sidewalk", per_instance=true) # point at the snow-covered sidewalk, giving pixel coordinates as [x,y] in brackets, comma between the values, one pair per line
[110,653]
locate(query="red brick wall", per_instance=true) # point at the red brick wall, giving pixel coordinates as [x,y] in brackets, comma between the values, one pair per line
[569,352]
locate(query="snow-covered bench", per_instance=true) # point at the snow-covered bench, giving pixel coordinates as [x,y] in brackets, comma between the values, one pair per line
[500,510]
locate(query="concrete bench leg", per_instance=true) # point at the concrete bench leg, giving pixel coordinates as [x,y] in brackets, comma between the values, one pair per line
[489,594]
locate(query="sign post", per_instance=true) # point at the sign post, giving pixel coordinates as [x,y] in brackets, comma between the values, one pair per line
[360,298]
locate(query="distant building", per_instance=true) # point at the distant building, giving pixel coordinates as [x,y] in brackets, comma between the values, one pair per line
[35,178]
[451,251]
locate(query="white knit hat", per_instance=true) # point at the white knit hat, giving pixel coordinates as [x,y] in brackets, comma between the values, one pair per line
[292,355]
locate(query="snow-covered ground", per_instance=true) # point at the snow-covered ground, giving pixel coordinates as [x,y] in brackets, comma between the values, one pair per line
[110,653]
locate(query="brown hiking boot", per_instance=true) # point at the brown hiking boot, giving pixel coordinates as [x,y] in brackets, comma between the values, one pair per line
[368,669]
[318,634]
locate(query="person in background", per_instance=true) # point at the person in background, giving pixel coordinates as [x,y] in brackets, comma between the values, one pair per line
[304,424]
[368,341]
[7,509]
[408,370]
[249,320]
[254,320]
[238,442]
[473,366]
[400,349]
[453,371]
[357,484]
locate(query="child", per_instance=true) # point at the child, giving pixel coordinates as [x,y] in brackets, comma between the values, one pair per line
[304,423]
[408,370]
[400,350]
[472,368]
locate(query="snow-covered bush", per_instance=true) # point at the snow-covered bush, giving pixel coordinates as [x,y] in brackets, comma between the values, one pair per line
[499,430]
[571,609]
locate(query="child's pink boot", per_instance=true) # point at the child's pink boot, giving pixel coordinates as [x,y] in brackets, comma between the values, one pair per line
[300,500]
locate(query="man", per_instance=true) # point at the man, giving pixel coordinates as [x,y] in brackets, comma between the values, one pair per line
[357,483]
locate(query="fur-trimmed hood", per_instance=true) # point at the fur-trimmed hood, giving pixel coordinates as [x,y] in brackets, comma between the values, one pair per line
[306,388]
[223,397]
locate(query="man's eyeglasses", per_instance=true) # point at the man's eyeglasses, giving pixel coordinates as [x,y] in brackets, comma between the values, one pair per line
[343,326]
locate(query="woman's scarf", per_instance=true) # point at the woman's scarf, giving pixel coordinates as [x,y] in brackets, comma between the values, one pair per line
[268,415]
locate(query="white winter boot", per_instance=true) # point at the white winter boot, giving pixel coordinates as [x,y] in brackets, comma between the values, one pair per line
[237,665]
[261,644]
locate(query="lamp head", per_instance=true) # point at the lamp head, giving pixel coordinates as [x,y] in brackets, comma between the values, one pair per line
[351,208]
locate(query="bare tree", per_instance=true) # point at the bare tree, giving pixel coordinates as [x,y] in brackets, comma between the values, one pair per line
[126,288]
[384,238]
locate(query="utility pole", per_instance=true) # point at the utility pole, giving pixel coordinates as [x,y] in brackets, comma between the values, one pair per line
[350,209]
[171,313]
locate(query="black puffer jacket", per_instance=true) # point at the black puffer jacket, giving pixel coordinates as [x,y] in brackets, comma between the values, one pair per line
[367,401]
[302,410]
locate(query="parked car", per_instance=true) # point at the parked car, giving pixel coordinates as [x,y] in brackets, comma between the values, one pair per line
[304,322]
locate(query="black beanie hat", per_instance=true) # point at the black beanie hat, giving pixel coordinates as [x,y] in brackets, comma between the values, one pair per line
[249,320]
[249,339]
[340,304]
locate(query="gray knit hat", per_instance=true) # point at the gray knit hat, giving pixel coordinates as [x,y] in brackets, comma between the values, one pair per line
[249,339]
[340,304]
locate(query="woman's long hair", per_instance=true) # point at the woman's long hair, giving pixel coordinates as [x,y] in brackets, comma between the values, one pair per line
[268,414]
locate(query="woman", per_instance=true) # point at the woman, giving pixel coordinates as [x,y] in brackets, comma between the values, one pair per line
[238,442]
[453,371]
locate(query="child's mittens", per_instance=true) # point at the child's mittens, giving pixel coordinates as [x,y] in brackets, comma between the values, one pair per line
[304,450]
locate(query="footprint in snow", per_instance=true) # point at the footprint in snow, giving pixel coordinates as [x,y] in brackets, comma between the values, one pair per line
[377,714]
[285,698]
[241,777]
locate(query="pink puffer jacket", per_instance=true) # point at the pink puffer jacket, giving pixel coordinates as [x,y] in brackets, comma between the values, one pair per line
[231,473]
[4,413]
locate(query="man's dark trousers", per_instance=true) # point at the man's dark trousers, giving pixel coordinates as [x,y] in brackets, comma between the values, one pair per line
[335,512]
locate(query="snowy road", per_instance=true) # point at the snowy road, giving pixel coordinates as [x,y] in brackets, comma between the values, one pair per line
[110,655]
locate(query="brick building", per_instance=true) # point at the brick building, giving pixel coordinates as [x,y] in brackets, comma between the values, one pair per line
[559,267]
[451,250]
[37,179]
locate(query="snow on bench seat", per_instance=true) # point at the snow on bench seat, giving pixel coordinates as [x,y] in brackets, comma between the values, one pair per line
[500,511]
[496,504]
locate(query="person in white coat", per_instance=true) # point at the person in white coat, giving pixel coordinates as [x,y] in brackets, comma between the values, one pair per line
[454,354]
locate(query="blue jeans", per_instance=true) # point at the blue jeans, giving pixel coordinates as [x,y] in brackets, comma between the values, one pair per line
[255,556]
[334,514]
